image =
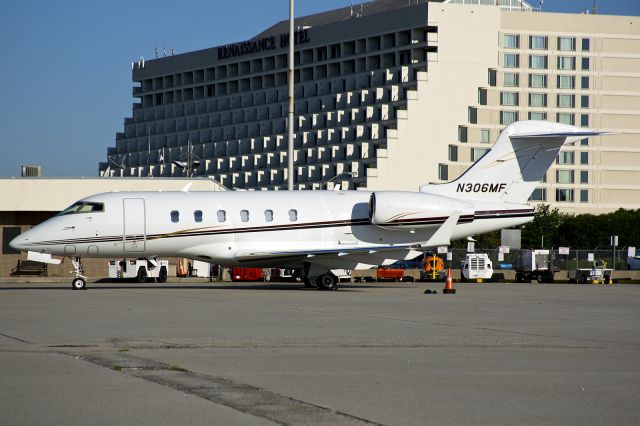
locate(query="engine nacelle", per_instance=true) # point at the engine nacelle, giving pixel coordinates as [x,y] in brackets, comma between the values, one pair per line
[407,211]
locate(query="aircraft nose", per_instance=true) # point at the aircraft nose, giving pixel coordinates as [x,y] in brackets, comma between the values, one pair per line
[20,242]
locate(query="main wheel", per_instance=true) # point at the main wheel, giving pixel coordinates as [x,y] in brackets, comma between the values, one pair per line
[540,278]
[162,276]
[142,275]
[327,282]
[519,277]
[78,284]
[583,279]
[311,282]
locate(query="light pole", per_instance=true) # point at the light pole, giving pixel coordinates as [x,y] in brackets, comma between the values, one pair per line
[291,83]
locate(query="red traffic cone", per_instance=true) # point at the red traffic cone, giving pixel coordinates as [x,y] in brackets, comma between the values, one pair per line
[448,284]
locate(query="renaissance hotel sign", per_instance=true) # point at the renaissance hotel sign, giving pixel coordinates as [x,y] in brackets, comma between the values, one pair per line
[261,45]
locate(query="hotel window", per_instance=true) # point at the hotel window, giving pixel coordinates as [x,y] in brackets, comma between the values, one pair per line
[564,176]
[584,101]
[566,63]
[453,153]
[584,176]
[566,157]
[566,82]
[268,215]
[538,42]
[473,115]
[537,80]
[493,77]
[566,43]
[537,100]
[511,60]
[584,158]
[508,117]
[509,98]
[477,153]
[585,45]
[584,142]
[537,116]
[482,96]
[538,194]
[585,64]
[197,216]
[565,118]
[511,79]
[222,216]
[244,215]
[584,120]
[462,134]
[585,82]
[484,135]
[538,62]
[584,195]
[511,41]
[293,215]
[566,101]
[443,172]
[564,195]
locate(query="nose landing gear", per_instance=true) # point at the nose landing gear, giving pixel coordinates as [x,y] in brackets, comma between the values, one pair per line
[79,282]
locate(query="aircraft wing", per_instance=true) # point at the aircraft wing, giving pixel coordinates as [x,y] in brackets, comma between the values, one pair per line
[347,258]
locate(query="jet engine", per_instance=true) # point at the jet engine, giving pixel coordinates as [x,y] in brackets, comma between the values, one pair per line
[407,211]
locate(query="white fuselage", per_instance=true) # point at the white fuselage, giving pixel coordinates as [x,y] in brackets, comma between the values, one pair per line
[233,228]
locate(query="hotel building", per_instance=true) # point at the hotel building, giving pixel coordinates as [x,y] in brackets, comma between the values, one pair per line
[392,94]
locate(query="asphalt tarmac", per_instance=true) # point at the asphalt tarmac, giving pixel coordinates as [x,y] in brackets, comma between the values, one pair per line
[258,354]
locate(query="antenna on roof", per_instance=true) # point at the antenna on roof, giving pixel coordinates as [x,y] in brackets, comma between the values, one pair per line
[594,8]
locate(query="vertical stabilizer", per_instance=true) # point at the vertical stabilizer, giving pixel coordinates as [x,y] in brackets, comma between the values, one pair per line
[513,167]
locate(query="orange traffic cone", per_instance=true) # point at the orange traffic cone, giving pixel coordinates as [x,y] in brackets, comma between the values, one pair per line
[448,284]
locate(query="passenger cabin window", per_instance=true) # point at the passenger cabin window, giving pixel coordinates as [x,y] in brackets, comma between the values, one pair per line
[222,216]
[175,216]
[293,215]
[268,215]
[197,215]
[83,207]
[244,215]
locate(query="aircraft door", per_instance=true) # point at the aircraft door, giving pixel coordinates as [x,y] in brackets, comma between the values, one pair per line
[134,231]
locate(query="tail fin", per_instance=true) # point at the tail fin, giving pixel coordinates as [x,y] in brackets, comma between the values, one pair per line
[513,167]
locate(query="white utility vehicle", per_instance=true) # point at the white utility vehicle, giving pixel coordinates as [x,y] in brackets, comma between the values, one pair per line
[477,267]
[140,269]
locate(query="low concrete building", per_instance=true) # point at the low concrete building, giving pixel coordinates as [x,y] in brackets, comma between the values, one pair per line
[26,202]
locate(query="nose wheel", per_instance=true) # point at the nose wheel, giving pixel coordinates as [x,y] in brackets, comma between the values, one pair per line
[79,282]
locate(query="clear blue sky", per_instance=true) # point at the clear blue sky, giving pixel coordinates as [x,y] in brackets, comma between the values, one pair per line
[65,73]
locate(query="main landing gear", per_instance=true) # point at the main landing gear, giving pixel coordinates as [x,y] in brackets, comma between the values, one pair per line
[316,276]
[80,281]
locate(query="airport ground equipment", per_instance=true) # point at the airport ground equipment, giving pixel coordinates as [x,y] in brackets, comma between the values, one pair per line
[247,274]
[139,269]
[534,265]
[633,262]
[432,268]
[384,274]
[477,267]
[597,274]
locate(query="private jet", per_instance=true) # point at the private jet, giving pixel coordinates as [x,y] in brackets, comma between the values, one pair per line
[313,231]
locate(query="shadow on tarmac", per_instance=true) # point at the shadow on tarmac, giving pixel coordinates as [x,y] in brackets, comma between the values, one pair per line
[110,286]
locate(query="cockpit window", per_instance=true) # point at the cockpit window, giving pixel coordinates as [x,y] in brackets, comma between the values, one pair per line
[83,207]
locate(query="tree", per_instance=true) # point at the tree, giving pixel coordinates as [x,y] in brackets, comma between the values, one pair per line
[544,227]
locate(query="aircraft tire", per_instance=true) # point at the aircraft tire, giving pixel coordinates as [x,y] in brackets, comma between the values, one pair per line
[162,276]
[142,275]
[327,282]
[311,282]
[540,278]
[79,284]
